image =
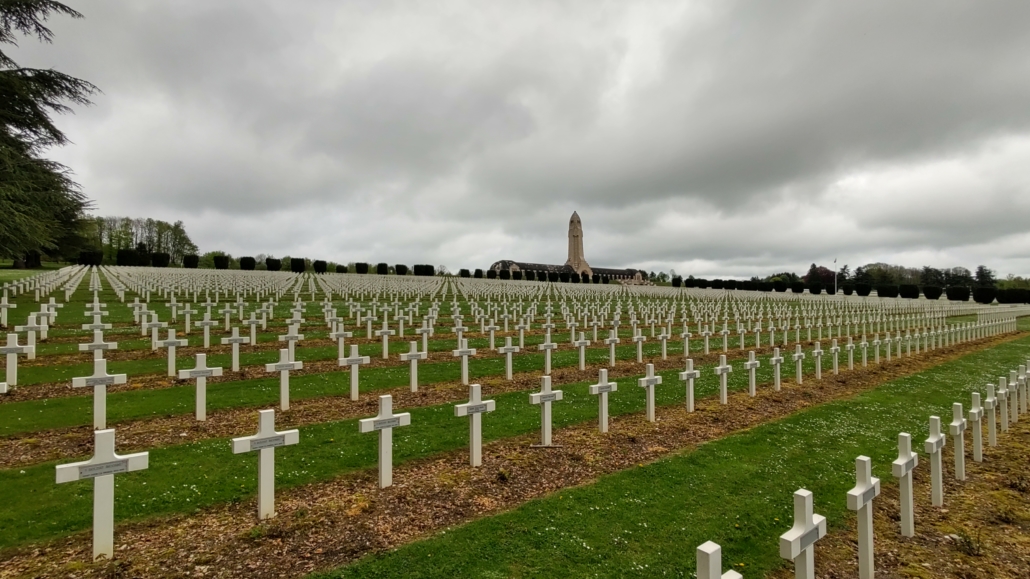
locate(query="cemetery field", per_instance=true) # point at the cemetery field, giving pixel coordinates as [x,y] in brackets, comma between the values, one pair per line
[324,352]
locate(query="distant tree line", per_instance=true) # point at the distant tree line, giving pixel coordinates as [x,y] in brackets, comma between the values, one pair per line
[135,241]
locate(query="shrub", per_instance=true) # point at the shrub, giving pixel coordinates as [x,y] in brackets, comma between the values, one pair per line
[932,292]
[717,284]
[908,291]
[574,277]
[957,293]
[765,286]
[248,263]
[863,289]
[529,275]
[91,257]
[126,257]
[320,266]
[830,290]
[221,261]
[564,277]
[298,264]
[748,285]
[464,273]
[478,274]
[797,287]
[424,270]
[815,288]
[516,275]
[491,274]
[779,285]
[596,278]
[677,281]
[190,261]
[273,264]
[848,289]
[361,267]
[160,259]
[400,269]
[504,274]
[701,283]
[605,279]
[689,282]
[341,269]
[552,276]
[984,295]
[887,291]
[382,269]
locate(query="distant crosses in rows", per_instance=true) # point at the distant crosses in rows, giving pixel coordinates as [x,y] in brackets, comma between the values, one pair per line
[265,442]
[384,423]
[200,373]
[102,468]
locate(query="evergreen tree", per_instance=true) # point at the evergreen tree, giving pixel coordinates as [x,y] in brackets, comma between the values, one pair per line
[42,207]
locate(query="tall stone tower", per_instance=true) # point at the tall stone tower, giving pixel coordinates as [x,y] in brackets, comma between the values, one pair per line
[577,260]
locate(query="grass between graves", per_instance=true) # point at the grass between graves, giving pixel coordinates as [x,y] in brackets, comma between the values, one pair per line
[189,476]
[736,491]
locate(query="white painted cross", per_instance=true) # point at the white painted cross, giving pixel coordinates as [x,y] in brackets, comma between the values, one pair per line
[798,544]
[339,334]
[546,346]
[722,371]
[425,332]
[613,338]
[492,328]
[957,429]
[851,354]
[1003,404]
[799,356]
[102,468]
[902,468]
[835,350]
[385,422]
[860,500]
[171,343]
[508,350]
[639,338]
[776,360]
[582,344]
[187,311]
[355,361]
[474,409]
[206,323]
[689,376]
[284,366]
[648,382]
[291,338]
[751,365]
[97,324]
[98,345]
[709,563]
[601,390]
[99,381]
[236,340]
[412,356]
[976,425]
[934,447]
[155,326]
[992,425]
[385,334]
[544,398]
[817,353]
[31,326]
[200,373]
[4,306]
[253,323]
[464,352]
[265,442]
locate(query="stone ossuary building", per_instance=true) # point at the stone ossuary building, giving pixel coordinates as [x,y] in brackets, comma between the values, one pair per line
[577,262]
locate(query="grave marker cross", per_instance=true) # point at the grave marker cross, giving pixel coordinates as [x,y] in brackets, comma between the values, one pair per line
[860,499]
[508,350]
[798,544]
[934,447]
[722,371]
[751,365]
[284,366]
[171,343]
[200,373]
[99,381]
[544,398]
[413,356]
[474,409]
[236,340]
[902,469]
[385,422]
[265,442]
[648,382]
[464,352]
[601,390]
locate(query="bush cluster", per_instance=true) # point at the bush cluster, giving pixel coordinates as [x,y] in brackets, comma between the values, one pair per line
[1013,296]
[91,258]
[423,270]
[190,261]
[848,289]
[298,264]
[361,268]
[797,287]
[491,274]
[932,292]
[957,293]
[221,261]
[341,269]
[908,291]
[319,266]
[248,263]
[400,269]
[478,274]
[887,291]
[815,288]
[863,289]
[516,275]
[273,264]
[984,295]
[160,259]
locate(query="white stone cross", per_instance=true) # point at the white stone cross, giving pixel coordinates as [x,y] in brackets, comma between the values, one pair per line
[582,344]
[817,353]
[613,338]
[339,334]
[799,356]
[385,334]
[976,425]
[934,447]
[705,334]
[722,371]
[354,361]
[709,563]
[751,365]
[284,366]
[689,376]
[291,339]
[236,339]
[99,381]
[1003,404]
[851,354]
[776,360]
[990,404]
[4,306]
[902,468]
[547,346]
[686,335]
[639,338]
[171,343]
[385,422]
[200,373]
[227,311]
[155,326]
[12,349]
[187,311]
[206,323]
[31,326]
[492,328]
[425,332]
[97,324]
[102,468]
[798,544]
[253,323]
[464,352]
[265,442]
[508,350]
[98,345]
[474,409]
[860,500]
[835,350]
[957,429]
[601,390]
[664,338]
[413,356]
[648,382]
[544,398]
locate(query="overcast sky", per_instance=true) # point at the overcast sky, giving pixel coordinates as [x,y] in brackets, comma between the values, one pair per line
[720,139]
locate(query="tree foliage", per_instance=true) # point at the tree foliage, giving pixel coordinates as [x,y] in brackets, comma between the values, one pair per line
[42,207]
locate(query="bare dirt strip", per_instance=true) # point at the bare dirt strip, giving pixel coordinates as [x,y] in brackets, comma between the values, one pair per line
[324,525]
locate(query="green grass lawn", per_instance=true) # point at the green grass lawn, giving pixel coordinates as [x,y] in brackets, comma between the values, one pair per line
[737,491]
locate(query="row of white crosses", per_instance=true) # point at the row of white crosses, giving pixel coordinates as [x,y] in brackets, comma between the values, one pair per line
[798,543]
